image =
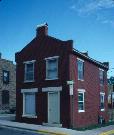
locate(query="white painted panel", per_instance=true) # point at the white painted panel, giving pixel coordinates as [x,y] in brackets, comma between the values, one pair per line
[54,107]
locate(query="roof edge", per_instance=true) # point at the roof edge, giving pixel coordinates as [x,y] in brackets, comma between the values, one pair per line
[91,59]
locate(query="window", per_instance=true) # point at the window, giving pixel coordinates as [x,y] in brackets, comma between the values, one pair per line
[80,64]
[5,97]
[5,76]
[29,71]
[52,68]
[81,106]
[101,75]
[29,99]
[102,101]
[29,102]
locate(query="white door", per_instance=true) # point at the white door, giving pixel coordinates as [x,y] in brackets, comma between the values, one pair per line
[54,107]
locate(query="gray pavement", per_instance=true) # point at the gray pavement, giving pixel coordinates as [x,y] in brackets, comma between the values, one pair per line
[13,131]
[54,130]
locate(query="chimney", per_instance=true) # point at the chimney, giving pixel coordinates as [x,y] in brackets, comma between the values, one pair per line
[42,30]
[0,55]
[106,63]
[85,53]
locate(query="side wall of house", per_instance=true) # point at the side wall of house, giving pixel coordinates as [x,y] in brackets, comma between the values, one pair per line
[91,84]
[11,86]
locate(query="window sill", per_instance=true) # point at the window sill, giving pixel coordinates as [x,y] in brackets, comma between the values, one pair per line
[81,111]
[80,80]
[29,116]
[51,79]
[27,81]
[102,110]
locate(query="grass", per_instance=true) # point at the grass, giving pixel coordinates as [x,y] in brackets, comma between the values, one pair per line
[94,126]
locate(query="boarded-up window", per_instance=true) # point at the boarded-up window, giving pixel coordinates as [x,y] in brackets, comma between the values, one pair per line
[5,97]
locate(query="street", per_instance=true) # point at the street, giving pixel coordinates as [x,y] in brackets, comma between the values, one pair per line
[12,131]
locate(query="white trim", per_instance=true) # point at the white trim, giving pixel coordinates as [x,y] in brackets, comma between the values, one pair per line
[52,89]
[81,80]
[70,82]
[81,111]
[53,57]
[47,60]
[58,106]
[27,62]
[27,81]
[101,69]
[80,59]
[81,90]
[51,79]
[102,93]
[29,116]
[29,90]
[102,110]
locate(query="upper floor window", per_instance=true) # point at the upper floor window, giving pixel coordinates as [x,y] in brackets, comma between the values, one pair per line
[5,76]
[52,68]
[29,71]
[81,102]
[80,64]
[102,95]
[101,76]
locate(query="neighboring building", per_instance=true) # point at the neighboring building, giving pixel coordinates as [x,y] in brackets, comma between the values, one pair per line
[58,85]
[111,98]
[7,85]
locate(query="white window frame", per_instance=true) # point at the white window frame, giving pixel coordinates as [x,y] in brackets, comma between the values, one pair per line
[24,91]
[78,59]
[47,59]
[25,63]
[82,91]
[103,76]
[103,94]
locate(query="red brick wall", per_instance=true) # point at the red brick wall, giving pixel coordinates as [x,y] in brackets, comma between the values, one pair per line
[38,50]
[91,84]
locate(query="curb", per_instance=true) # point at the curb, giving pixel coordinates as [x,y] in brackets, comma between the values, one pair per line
[51,132]
[38,131]
[110,132]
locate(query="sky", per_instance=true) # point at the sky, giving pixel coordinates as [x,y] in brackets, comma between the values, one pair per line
[89,23]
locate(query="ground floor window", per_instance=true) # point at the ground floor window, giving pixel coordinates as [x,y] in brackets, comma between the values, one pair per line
[81,103]
[5,97]
[29,102]
[29,108]
[102,95]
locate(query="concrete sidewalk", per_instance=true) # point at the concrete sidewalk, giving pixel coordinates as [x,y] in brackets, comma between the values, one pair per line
[55,130]
[40,128]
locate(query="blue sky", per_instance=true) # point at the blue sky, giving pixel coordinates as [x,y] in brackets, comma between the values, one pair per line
[89,23]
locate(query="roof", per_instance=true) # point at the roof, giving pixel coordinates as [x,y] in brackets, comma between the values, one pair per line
[104,66]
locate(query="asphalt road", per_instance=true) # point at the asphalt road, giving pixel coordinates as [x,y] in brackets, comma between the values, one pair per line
[12,131]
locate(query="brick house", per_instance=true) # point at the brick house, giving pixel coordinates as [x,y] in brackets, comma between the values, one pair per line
[7,85]
[58,85]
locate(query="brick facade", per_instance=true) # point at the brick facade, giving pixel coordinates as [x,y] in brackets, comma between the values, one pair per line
[6,65]
[91,84]
[44,46]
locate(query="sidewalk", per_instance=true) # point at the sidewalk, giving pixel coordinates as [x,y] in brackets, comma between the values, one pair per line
[56,130]
[40,128]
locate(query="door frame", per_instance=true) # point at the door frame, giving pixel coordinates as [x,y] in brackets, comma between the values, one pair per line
[58,93]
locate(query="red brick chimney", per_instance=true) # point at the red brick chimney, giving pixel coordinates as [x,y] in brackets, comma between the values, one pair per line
[42,30]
